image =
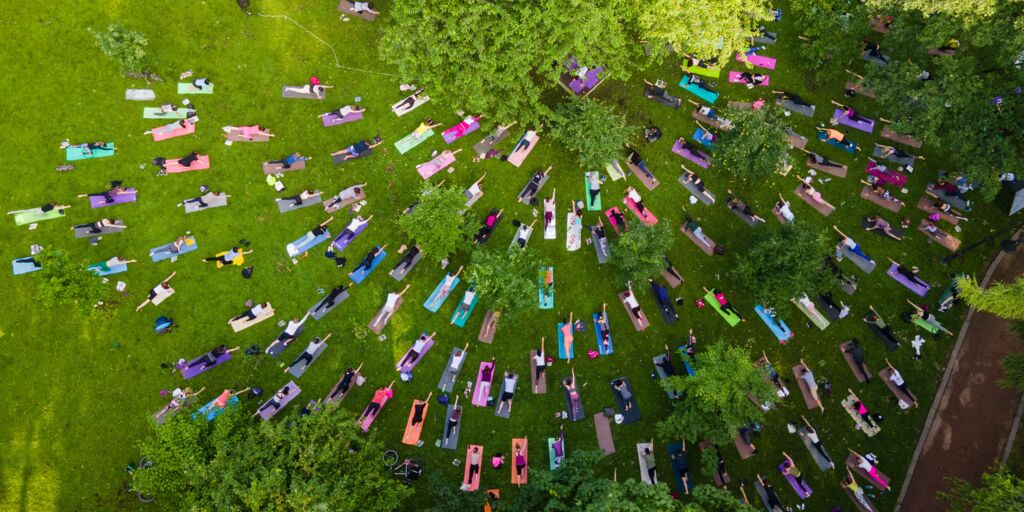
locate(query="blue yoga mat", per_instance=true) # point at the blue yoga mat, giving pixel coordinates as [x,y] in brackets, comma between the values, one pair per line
[360,275]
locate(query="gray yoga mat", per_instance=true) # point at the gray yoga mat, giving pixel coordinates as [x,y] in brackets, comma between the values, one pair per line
[83,230]
[399,275]
[212,201]
[317,313]
[505,412]
[297,368]
[288,204]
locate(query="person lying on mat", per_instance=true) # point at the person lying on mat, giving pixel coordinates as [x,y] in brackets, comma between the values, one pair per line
[534,185]
[88,147]
[752,79]
[734,203]
[812,435]
[288,161]
[850,483]
[853,246]
[113,262]
[897,379]
[723,303]
[631,193]
[874,50]
[833,135]
[603,331]
[373,408]
[652,472]
[367,261]
[619,220]
[789,469]
[467,301]
[878,188]
[201,200]
[200,83]
[783,96]
[344,111]
[773,498]
[183,123]
[954,297]
[566,330]
[345,384]
[574,396]
[873,318]
[306,357]
[594,182]
[661,295]
[407,259]
[275,401]
[634,306]
[698,232]
[508,393]
[666,363]
[228,257]
[848,112]
[473,460]
[185,161]
[299,199]
[457,357]
[877,223]
[291,330]
[932,229]
[357,149]
[946,208]
[409,102]
[910,274]
[447,283]
[657,89]
[116,189]
[639,163]
[549,209]
[164,288]
[842,310]
[418,408]
[540,363]
[811,193]
[98,226]
[252,313]
[249,132]
[427,125]
[210,358]
[453,422]
[694,180]
[870,469]
[353,226]
[625,394]
[811,383]
[416,350]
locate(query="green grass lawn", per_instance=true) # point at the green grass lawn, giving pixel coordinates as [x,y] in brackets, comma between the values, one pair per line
[80,394]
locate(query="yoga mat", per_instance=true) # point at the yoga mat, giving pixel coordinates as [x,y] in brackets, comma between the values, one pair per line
[820,208]
[700,158]
[506,411]
[298,369]
[851,462]
[756,60]
[520,479]
[575,413]
[645,476]
[487,335]
[525,196]
[360,275]
[595,204]
[172,130]
[487,143]
[704,196]
[941,237]
[405,110]
[795,139]
[210,411]
[459,319]
[614,170]
[25,265]
[700,136]
[287,204]
[408,367]
[672,394]
[633,414]
[708,71]
[927,205]
[448,379]
[779,328]
[638,323]
[474,484]
[345,157]
[600,246]
[799,108]
[861,376]
[83,230]
[452,441]
[405,144]
[435,300]
[300,92]
[399,274]
[344,238]
[333,119]
[211,199]
[482,389]
[236,136]
[826,166]
[909,399]
[920,289]
[821,458]
[745,450]
[73,153]
[173,167]
[517,157]
[188,88]
[906,140]
[37,215]
[428,169]
[646,216]
[460,130]
[664,98]
[139,95]
[814,316]
[804,389]
[599,331]
[865,265]
[865,125]
[650,182]
[357,380]
[318,310]
[708,249]
[546,300]
[188,373]
[803,491]
[730,318]
[736,77]
[306,242]
[886,175]
[412,432]
[695,89]
[242,324]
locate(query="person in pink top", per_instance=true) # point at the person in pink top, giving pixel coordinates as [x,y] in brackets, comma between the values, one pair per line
[567,334]
[379,397]
[249,132]
[222,400]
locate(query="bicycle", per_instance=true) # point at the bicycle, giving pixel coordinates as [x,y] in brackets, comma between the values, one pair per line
[144,463]
[408,469]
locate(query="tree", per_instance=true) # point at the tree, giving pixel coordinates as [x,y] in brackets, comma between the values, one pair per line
[125,46]
[63,282]
[718,396]
[968,9]
[999,492]
[499,56]
[786,263]
[698,28]
[438,223]
[1005,300]
[707,498]
[1013,365]
[593,130]
[293,463]
[506,281]
[833,29]
[640,252]
[756,148]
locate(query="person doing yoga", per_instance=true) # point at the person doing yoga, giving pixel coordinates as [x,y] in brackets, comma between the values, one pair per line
[457,358]
[666,363]
[752,79]
[229,257]
[650,462]
[634,196]
[773,498]
[508,392]
[210,358]
[549,209]
[604,334]
[789,469]
[368,260]
[406,262]
[594,182]
[877,223]
[418,408]
[306,358]
[344,111]
[467,301]
[524,143]
[390,306]
[410,102]
[248,132]
[417,350]
[540,363]
[723,303]
[453,421]
[632,304]
[812,384]
[161,290]
[98,226]
[570,387]
[473,460]
[356,150]
[345,383]
[855,351]
[373,408]
[625,394]
[275,401]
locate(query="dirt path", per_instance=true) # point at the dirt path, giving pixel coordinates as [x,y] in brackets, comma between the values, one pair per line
[971,419]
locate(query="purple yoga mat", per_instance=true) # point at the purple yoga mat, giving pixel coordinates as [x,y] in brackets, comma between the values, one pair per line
[98,201]
[867,125]
[479,397]
[188,373]
[333,119]
[801,490]
[406,368]
[266,412]
[700,158]
[920,290]
[339,244]
[590,80]
[460,130]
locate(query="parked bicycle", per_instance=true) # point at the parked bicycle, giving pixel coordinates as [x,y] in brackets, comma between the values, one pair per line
[144,463]
[407,469]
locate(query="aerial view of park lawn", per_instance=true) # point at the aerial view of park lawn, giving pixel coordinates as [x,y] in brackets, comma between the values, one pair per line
[496,255]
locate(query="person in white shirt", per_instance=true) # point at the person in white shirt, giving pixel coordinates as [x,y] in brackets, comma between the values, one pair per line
[416,350]
[508,392]
[390,306]
[540,363]
[292,330]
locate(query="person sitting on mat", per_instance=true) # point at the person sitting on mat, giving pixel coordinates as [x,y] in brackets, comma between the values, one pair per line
[467,302]
[570,386]
[367,261]
[634,306]
[416,350]
[356,150]
[652,133]
[877,223]
[652,472]
[288,161]
[409,102]
[248,132]
[474,467]
[98,226]
[229,257]
[624,393]
[344,111]
[427,125]
[508,393]
[345,384]
[724,304]
[210,358]
[373,408]
[540,363]
[631,193]
[752,79]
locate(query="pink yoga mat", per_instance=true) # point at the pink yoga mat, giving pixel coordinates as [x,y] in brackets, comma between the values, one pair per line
[428,169]
[734,78]
[481,392]
[161,134]
[757,60]
[460,130]
[648,219]
[203,162]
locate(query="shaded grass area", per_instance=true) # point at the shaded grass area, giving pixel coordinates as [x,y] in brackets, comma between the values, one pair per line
[83,390]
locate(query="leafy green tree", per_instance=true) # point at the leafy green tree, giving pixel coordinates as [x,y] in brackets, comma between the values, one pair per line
[833,30]
[593,130]
[968,9]
[293,463]
[505,281]
[717,402]
[63,282]
[786,263]
[639,252]
[1005,300]
[438,224]
[447,497]
[635,496]
[707,498]
[1014,367]
[125,46]
[756,148]
[699,28]
[499,56]
[999,492]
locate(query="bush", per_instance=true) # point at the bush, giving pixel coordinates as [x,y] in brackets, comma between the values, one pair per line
[125,46]
[593,130]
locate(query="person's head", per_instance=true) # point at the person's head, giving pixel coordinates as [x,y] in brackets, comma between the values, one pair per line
[376,139]
[647,451]
[221,348]
[358,190]
[234,249]
[165,285]
[285,390]
[855,342]
[476,449]
[349,370]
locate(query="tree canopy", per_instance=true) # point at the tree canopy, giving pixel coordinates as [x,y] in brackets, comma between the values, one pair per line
[696,27]
[294,463]
[1005,300]
[64,282]
[437,223]
[592,130]
[639,252]
[756,148]
[500,56]
[505,281]
[717,400]
[785,263]
[999,491]
[832,29]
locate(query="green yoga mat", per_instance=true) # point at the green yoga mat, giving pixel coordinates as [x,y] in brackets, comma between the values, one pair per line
[410,141]
[708,72]
[187,88]
[925,325]
[36,216]
[816,317]
[155,113]
[594,206]
[730,318]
